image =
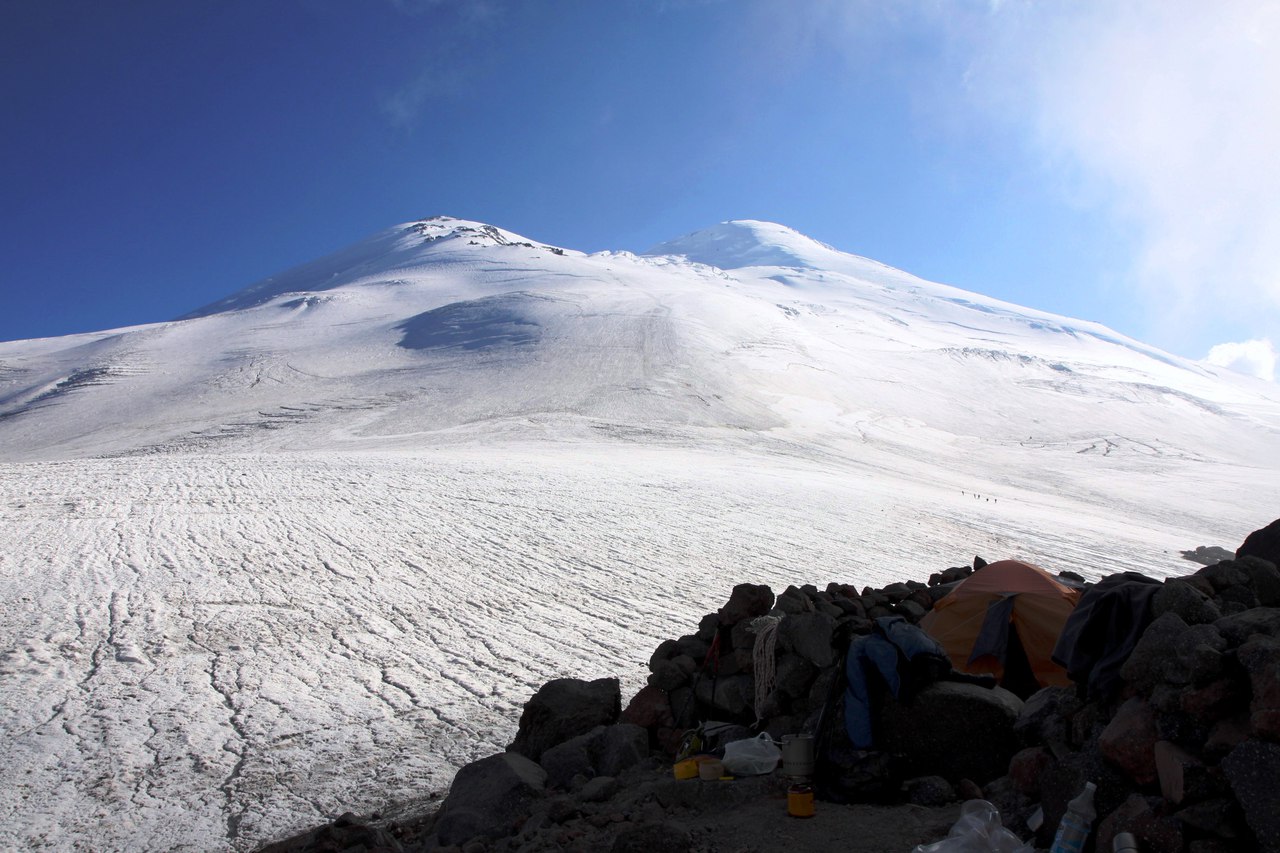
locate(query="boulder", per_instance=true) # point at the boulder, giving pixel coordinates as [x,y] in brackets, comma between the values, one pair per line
[1264,578]
[1260,656]
[1226,735]
[1216,700]
[912,611]
[618,748]
[1129,741]
[1183,777]
[730,698]
[1219,817]
[565,761]
[666,650]
[1185,599]
[489,798]
[1045,718]
[951,729]
[564,708]
[929,791]
[1239,627]
[809,635]
[1263,543]
[651,708]
[745,602]
[1224,575]
[1155,831]
[1026,767]
[604,751]
[896,592]
[793,675]
[1207,555]
[1253,771]
[1172,651]
[667,675]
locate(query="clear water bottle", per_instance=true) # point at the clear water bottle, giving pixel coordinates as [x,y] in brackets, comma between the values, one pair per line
[1073,831]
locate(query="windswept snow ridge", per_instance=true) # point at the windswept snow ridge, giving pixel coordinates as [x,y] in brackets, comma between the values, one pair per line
[310,548]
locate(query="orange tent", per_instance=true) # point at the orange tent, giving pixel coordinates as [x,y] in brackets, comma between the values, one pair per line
[1001,615]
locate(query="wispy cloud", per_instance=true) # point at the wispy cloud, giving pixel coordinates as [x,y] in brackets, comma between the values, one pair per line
[1256,358]
[1165,113]
[447,64]
[1162,115]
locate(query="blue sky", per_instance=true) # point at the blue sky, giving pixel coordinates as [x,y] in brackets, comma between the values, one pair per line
[1114,161]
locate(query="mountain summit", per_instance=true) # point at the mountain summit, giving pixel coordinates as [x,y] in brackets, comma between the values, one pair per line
[751,243]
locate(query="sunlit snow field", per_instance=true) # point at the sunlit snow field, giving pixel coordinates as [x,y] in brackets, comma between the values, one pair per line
[208,652]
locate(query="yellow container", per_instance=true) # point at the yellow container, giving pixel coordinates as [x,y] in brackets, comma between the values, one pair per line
[687,769]
[711,770]
[800,801]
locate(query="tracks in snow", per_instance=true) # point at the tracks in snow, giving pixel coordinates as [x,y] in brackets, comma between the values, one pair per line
[208,652]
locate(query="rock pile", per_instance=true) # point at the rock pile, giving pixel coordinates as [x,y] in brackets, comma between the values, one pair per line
[1187,755]
[710,674]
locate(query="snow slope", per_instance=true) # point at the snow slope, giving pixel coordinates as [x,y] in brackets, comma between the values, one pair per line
[310,548]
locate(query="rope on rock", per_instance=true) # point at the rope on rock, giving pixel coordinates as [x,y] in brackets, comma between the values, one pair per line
[763,660]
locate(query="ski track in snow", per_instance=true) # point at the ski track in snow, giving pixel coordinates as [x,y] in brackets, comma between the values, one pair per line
[209,652]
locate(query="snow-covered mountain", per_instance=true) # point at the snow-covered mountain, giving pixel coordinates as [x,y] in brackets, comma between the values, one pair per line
[309,548]
[443,328]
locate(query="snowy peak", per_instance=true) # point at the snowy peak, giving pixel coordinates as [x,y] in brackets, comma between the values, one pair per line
[403,247]
[749,243]
[440,228]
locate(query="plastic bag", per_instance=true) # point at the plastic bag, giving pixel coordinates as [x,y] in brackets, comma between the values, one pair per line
[977,831]
[751,757]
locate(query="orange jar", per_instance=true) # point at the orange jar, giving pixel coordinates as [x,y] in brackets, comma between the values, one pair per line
[800,801]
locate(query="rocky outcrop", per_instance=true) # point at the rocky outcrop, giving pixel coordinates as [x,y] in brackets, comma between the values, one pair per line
[1264,544]
[490,798]
[564,708]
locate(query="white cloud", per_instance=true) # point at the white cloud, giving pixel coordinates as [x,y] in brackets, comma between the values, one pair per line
[1166,113]
[1256,358]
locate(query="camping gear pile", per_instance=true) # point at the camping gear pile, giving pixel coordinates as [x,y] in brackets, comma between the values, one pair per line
[1166,695]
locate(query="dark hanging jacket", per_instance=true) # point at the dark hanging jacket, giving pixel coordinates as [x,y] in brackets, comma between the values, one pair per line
[1102,631]
[900,654]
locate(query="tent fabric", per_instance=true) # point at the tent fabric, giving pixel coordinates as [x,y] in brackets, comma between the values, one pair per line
[974,621]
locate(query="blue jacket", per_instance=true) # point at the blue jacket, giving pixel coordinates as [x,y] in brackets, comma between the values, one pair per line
[887,651]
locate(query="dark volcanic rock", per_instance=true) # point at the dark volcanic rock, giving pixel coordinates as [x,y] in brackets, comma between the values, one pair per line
[1253,769]
[1239,627]
[1263,543]
[1129,741]
[489,797]
[809,636]
[953,730]
[747,601]
[1185,599]
[564,708]
[1260,657]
